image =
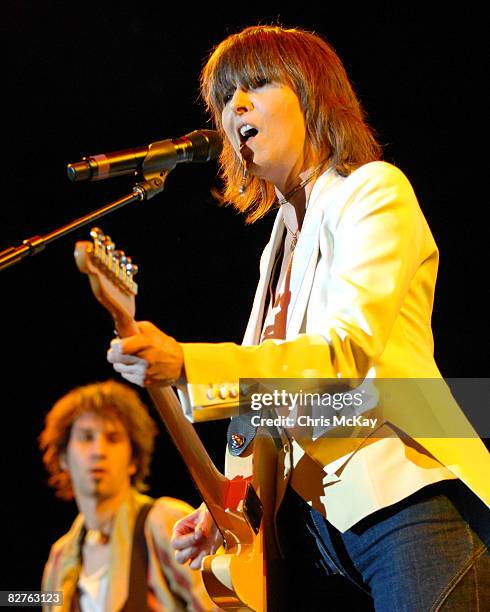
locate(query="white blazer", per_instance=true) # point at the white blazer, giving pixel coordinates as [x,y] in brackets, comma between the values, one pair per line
[362,286]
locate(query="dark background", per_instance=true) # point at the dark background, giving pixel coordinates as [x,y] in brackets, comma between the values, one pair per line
[87,78]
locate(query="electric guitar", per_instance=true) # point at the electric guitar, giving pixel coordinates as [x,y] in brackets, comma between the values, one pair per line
[242,507]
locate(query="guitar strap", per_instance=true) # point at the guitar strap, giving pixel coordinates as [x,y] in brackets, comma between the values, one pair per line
[138,575]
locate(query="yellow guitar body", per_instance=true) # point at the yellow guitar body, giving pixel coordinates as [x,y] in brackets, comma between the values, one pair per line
[238,577]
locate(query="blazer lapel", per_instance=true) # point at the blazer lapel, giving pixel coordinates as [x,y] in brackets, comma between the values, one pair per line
[254,326]
[306,252]
[303,269]
[303,266]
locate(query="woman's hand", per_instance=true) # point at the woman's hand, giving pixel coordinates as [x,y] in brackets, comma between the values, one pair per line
[148,358]
[195,536]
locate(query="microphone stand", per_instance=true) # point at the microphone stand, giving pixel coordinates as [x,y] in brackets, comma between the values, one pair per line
[152,185]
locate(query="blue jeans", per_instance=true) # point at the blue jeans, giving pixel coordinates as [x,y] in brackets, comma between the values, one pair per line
[428,552]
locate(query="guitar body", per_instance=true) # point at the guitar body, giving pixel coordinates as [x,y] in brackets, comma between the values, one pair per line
[250,561]
[242,507]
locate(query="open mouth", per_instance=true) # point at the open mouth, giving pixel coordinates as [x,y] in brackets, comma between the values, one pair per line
[246,132]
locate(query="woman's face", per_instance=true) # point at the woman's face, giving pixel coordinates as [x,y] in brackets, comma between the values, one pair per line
[272,114]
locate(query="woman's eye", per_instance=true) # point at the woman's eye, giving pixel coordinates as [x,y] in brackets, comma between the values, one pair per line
[227,97]
[260,83]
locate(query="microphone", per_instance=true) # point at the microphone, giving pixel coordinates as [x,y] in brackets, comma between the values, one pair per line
[198,146]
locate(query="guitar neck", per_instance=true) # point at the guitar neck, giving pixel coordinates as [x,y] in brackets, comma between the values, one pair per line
[111,275]
[235,579]
[211,484]
[209,481]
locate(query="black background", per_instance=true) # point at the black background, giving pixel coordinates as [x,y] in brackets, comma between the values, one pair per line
[88,78]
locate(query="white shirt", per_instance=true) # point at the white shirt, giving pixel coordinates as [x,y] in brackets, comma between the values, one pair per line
[93,589]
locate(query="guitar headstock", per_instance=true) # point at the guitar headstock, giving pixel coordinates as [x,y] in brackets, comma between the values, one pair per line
[111,273]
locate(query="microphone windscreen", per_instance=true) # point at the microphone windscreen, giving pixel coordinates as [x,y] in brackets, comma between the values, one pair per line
[206,145]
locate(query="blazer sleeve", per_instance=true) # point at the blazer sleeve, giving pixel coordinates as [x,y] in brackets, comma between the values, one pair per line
[377,234]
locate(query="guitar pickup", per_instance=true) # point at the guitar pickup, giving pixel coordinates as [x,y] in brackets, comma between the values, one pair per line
[253,509]
[241,494]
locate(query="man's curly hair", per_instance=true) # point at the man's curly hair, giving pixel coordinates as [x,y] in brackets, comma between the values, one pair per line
[110,400]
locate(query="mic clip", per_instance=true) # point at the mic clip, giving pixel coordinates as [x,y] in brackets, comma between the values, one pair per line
[159,161]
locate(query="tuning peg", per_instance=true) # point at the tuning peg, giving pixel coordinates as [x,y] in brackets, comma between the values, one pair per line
[108,244]
[120,257]
[131,268]
[97,234]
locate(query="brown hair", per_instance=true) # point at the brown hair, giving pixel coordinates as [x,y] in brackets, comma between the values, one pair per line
[335,123]
[111,400]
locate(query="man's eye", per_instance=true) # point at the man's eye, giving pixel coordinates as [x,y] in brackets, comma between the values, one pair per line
[114,438]
[227,97]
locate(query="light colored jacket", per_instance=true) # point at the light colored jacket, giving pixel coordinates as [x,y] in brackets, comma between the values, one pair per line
[362,286]
[165,575]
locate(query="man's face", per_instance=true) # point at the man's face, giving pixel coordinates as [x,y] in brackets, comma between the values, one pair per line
[98,457]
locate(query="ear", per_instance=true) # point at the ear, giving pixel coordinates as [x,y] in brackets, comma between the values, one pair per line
[132,469]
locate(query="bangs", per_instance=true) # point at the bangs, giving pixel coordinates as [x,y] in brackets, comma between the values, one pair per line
[335,123]
[250,60]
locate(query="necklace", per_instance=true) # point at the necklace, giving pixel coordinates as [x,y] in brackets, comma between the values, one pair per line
[93,537]
[285,199]
[314,173]
[294,235]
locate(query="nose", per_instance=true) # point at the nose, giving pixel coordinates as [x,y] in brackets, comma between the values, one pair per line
[99,446]
[241,102]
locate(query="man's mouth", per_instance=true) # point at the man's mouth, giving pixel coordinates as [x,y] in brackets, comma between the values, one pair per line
[97,472]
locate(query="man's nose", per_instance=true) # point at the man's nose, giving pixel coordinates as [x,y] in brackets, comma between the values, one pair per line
[99,445]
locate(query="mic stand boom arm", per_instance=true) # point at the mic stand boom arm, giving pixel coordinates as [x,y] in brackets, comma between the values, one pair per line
[154,183]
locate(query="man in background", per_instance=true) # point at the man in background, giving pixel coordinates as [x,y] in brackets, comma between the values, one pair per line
[97,446]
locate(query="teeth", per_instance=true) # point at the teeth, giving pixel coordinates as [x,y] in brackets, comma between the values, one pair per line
[248,130]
